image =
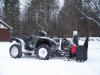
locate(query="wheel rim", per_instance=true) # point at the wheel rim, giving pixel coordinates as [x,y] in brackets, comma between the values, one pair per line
[43,52]
[14,51]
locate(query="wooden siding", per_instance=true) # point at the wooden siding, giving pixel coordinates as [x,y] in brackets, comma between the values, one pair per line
[4,34]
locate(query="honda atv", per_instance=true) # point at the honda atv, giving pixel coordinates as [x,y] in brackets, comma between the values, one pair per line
[40,46]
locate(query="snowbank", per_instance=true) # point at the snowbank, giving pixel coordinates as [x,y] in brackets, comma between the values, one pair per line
[29,65]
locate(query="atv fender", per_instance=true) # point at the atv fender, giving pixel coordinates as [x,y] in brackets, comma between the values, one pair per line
[46,41]
[20,42]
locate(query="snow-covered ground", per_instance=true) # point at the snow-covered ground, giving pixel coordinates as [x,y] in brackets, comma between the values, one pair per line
[29,65]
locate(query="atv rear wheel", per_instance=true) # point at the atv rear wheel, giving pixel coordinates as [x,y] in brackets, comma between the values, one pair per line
[43,52]
[15,51]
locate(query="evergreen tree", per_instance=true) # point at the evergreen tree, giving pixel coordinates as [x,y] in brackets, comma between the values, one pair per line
[11,14]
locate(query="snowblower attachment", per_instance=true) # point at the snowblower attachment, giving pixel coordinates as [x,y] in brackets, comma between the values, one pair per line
[81,51]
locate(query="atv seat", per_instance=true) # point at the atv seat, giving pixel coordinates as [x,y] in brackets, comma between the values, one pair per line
[27,38]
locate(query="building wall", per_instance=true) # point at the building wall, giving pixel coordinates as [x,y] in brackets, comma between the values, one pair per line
[4,34]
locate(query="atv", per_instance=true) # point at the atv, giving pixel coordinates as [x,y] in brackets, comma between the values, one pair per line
[45,47]
[41,46]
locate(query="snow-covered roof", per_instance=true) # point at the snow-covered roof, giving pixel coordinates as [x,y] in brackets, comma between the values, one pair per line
[6,25]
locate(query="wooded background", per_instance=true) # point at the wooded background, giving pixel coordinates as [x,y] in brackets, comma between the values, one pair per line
[80,15]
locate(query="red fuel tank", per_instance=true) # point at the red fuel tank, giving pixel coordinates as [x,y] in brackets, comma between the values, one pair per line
[73,49]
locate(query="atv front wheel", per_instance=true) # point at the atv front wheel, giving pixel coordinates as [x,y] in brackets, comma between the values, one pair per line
[43,52]
[15,51]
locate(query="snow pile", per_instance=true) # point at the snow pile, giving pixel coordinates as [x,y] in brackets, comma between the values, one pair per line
[94,42]
[29,65]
